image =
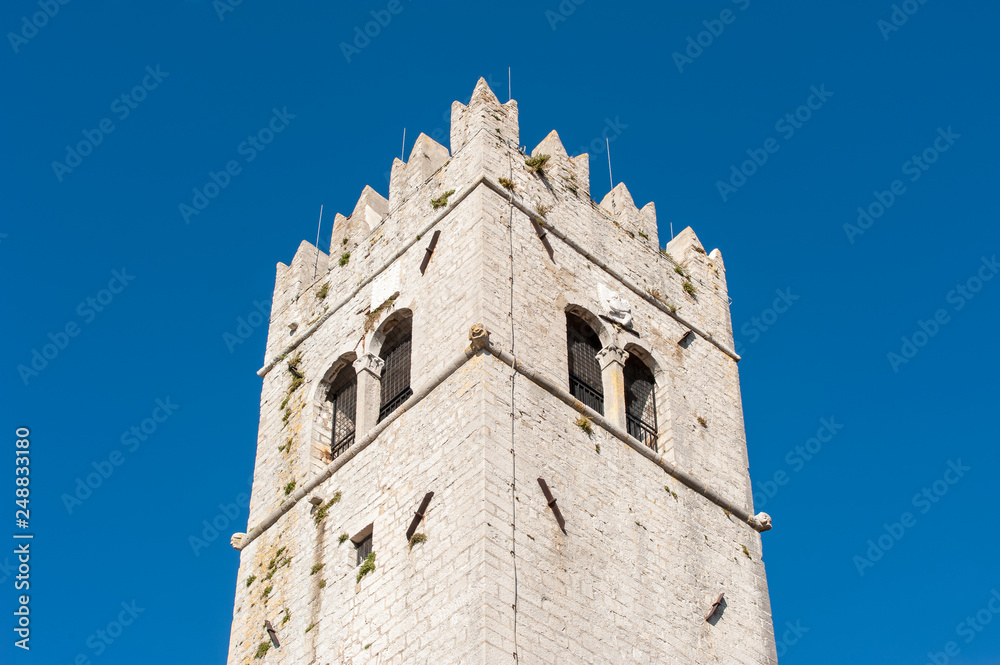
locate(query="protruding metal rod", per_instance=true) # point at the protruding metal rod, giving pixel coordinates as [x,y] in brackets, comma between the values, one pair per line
[318,225]
[715,606]
[419,515]
[272,634]
[429,251]
[607,143]
[552,504]
[540,232]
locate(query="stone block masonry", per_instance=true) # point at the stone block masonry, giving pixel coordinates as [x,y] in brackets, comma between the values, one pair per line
[651,537]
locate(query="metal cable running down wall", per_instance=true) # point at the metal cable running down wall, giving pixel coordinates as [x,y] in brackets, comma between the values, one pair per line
[513,376]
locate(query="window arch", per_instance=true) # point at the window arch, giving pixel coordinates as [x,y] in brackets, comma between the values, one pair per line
[396,351]
[583,345]
[343,399]
[640,401]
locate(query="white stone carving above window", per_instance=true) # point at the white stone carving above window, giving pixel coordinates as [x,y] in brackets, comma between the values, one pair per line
[614,306]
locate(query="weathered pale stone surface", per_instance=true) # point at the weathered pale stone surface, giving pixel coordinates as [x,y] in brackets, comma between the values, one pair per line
[642,558]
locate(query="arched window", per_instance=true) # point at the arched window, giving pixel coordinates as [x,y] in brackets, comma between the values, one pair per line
[343,398]
[396,372]
[583,345]
[640,401]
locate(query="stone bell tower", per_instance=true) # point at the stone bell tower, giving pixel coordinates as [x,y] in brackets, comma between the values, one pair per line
[500,424]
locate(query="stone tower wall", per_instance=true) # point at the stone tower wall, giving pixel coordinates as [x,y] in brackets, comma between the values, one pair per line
[650,542]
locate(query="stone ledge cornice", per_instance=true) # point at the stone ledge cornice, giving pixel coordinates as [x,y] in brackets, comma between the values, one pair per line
[508,196]
[482,347]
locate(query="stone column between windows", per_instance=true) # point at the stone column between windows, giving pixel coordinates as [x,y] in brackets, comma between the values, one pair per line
[369,370]
[612,362]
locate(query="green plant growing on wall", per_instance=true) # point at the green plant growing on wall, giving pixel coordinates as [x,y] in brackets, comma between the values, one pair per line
[417,538]
[323,290]
[371,318]
[688,288]
[344,258]
[442,200]
[262,650]
[322,511]
[343,538]
[316,568]
[747,552]
[251,579]
[367,567]
[507,183]
[536,163]
[289,488]
[583,422]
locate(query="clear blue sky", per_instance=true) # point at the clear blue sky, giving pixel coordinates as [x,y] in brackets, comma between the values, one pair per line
[886,95]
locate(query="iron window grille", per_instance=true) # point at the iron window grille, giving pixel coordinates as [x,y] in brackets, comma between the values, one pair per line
[396,352]
[364,548]
[343,398]
[640,402]
[585,381]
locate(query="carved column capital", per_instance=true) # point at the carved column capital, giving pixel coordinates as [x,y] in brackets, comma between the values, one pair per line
[369,363]
[611,354]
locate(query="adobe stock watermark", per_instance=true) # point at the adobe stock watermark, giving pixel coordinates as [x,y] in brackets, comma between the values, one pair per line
[223,7]
[793,633]
[211,530]
[958,298]
[914,167]
[967,629]
[30,27]
[248,150]
[923,500]
[796,459]
[122,106]
[381,18]
[900,14]
[786,126]
[245,326]
[87,310]
[612,130]
[131,439]
[714,28]
[101,639]
[758,325]
[565,10]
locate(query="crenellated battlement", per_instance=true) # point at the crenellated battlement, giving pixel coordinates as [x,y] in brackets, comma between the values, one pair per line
[484,143]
